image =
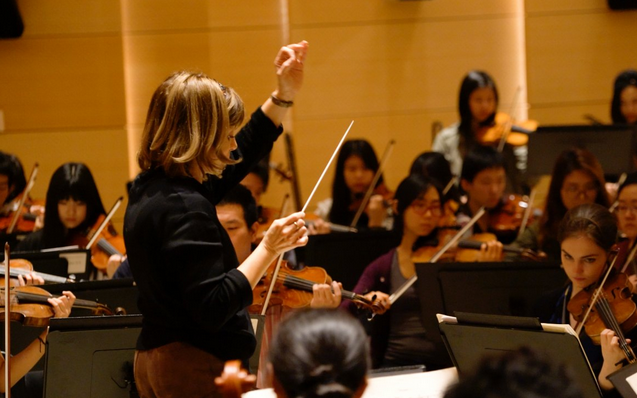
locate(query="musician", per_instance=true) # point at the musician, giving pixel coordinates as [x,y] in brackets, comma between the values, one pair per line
[73,205]
[193,292]
[626,212]
[483,179]
[586,235]
[356,167]
[398,337]
[436,166]
[257,181]
[25,360]
[320,353]
[624,105]
[577,178]
[12,180]
[477,106]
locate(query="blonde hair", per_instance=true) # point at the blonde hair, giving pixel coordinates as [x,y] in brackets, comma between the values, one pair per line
[188,118]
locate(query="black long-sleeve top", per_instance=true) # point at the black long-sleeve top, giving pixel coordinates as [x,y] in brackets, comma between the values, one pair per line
[183,260]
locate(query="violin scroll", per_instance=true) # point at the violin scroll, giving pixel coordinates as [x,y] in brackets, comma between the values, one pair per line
[234,381]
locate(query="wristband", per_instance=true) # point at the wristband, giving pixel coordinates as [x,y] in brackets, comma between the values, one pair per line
[280,102]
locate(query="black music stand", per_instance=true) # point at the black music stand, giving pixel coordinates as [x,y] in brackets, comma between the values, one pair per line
[613,145]
[91,356]
[66,263]
[346,255]
[468,343]
[625,380]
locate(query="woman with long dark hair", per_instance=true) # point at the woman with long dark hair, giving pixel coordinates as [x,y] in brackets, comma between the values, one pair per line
[577,179]
[356,167]
[477,106]
[398,338]
[623,109]
[73,205]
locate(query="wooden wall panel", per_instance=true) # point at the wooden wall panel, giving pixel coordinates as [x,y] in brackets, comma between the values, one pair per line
[70,17]
[161,15]
[573,59]
[552,6]
[364,11]
[62,82]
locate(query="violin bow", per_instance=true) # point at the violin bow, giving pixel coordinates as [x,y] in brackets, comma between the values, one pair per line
[509,123]
[275,274]
[294,180]
[621,180]
[596,295]
[7,324]
[104,223]
[450,184]
[527,212]
[25,194]
[402,289]
[630,257]
[388,149]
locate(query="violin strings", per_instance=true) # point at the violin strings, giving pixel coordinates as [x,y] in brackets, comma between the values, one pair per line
[304,284]
[611,322]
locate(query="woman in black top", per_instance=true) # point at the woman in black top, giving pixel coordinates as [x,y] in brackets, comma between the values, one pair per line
[193,293]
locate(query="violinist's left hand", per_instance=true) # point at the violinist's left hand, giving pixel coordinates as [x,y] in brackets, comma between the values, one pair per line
[376,211]
[612,354]
[62,305]
[326,296]
[490,251]
[30,279]
[38,210]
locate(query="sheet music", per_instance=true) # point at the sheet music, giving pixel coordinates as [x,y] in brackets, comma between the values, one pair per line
[413,385]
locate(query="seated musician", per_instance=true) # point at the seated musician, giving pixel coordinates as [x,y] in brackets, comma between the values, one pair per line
[624,104]
[319,353]
[398,337]
[356,167]
[577,178]
[73,206]
[477,108]
[586,235]
[12,180]
[483,179]
[626,212]
[516,374]
[25,360]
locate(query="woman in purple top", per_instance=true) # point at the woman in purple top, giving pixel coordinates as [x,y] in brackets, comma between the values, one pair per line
[398,336]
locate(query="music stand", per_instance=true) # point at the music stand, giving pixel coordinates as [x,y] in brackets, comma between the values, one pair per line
[71,262]
[346,255]
[467,344]
[625,380]
[612,145]
[91,356]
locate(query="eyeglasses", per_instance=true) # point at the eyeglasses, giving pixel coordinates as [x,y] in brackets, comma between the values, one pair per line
[422,208]
[623,209]
[575,190]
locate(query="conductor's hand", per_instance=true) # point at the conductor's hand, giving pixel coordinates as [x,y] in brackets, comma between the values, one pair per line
[62,305]
[289,70]
[285,234]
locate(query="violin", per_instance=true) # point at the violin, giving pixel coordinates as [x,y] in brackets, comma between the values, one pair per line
[607,304]
[293,289]
[30,307]
[514,133]
[506,219]
[234,381]
[19,218]
[107,242]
